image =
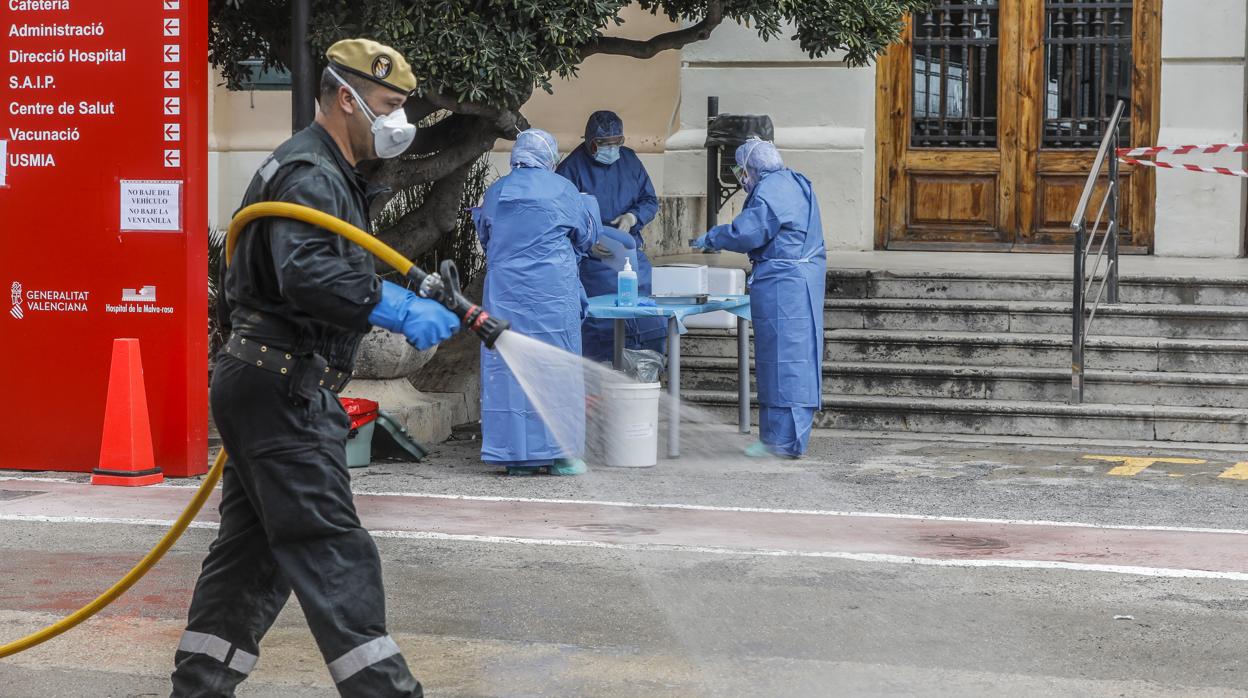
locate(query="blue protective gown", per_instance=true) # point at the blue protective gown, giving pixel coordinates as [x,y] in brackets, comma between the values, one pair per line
[621,187]
[534,227]
[781,231]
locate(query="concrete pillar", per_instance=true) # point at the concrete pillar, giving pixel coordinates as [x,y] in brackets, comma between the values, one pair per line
[244,127]
[823,113]
[1203,84]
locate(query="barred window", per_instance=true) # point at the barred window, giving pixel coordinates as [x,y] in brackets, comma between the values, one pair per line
[956,64]
[1088,67]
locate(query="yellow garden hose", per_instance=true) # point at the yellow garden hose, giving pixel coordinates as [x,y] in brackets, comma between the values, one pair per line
[474,318]
[134,575]
[320,219]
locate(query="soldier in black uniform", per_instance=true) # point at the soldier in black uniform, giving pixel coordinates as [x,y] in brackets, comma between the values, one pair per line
[300,299]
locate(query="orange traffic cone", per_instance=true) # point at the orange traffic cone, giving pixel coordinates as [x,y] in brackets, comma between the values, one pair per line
[126,457]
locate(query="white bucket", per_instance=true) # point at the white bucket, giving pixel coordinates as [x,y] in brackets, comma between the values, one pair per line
[630,425]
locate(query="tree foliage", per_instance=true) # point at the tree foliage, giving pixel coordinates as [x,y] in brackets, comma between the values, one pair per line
[480,60]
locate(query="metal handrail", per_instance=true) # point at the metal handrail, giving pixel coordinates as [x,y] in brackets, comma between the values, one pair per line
[1085,276]
[1110,139]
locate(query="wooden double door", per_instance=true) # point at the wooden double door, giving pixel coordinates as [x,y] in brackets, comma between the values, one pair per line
[989,114]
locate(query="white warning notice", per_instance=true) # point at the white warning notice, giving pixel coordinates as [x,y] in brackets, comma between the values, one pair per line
[151,205]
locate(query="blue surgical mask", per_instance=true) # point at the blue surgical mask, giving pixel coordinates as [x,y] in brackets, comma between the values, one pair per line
[607,154]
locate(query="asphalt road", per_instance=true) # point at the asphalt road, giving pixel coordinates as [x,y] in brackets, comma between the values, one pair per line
[872,568]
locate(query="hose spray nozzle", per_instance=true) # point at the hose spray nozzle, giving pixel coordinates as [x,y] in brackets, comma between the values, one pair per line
[444,288]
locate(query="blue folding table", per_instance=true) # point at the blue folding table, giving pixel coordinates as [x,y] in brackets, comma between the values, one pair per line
[604,307]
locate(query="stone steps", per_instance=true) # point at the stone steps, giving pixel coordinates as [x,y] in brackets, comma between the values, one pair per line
[990,286]
[988,353]
[1013,418]
[996,383]
[1030,317]
[1004,349]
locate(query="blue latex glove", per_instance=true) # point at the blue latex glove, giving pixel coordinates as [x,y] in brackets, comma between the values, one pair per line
[703,244]
[423,322]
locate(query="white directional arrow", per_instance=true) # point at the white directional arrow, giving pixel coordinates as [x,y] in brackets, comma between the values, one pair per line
[173,27]
[173,106]
[173,158]
[173,132]
[173,4]
[173,53]
[173,79]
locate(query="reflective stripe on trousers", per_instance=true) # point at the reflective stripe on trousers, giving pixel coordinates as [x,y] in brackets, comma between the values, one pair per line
[219,649]
[362,657]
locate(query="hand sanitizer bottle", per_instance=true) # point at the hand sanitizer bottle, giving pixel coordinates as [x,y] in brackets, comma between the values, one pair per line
[626,286]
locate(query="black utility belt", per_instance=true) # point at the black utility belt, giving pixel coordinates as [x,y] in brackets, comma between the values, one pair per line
[310,369]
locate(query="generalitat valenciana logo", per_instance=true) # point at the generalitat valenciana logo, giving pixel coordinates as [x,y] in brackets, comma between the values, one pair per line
[15,298]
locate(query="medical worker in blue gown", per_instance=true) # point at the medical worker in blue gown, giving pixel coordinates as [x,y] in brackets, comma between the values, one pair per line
[614,175]
[779,228]
[535,227]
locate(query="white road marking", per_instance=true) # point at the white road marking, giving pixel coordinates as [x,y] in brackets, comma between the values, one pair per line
[810,512]
[58,480]
[35,518]
[857,557]
[747,510]
[878,558]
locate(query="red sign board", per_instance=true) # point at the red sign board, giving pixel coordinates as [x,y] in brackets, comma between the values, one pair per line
[103,224]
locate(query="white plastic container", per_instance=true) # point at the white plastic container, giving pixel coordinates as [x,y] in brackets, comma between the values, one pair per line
[679,280]
[723,282]
[630,422]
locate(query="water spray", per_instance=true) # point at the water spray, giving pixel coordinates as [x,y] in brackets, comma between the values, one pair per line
[442,287]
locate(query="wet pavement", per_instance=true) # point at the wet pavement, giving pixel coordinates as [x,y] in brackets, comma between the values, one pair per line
[873,567]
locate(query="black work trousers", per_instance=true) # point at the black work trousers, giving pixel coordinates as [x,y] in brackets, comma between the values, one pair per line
[288,522]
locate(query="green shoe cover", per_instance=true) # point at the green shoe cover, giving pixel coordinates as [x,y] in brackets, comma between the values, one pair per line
[566,466]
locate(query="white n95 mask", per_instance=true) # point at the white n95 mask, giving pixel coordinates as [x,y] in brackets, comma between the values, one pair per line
[392,133]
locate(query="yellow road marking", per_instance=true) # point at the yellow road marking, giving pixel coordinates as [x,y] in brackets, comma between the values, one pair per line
[1134,465]
[1239,471]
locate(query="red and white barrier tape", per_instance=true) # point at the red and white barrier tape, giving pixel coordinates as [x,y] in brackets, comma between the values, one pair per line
[1131,156]
[1190,168]
[1150,151]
